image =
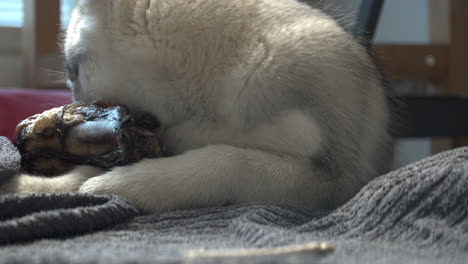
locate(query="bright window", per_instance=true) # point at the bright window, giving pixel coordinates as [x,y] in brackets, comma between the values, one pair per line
[11,12]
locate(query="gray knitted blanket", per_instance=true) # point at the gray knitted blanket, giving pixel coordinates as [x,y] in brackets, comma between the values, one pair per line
[417,214]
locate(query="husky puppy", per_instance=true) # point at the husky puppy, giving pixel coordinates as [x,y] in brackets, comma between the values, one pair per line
[260,101]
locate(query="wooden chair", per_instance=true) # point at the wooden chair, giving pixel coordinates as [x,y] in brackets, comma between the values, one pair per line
[441,115]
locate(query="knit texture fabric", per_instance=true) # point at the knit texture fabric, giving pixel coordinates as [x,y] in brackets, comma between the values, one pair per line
[416,214]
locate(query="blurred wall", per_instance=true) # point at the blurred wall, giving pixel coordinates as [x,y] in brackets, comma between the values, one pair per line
[11,63]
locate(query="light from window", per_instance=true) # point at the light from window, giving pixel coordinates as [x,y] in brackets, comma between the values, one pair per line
[11,13]
[66,9]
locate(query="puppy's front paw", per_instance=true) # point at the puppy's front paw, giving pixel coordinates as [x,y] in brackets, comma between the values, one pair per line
[108,183]
[128,184]
[93,186]
[70,182]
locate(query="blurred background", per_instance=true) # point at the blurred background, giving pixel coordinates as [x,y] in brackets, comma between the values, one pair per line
[421,45]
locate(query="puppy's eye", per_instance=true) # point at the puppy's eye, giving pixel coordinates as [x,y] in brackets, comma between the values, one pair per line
[73,68]
[73,71]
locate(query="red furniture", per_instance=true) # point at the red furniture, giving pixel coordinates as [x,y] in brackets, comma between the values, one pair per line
[18,104]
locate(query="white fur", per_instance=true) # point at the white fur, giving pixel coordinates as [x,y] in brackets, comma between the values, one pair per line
[259,101]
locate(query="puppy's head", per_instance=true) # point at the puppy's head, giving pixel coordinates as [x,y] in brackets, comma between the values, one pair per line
[136,51]
[184,55]
[108,52]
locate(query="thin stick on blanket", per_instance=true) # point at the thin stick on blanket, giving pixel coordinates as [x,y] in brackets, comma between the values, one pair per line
[312,247]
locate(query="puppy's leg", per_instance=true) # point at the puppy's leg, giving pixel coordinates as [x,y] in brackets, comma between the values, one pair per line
[70,182]
[215,175]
